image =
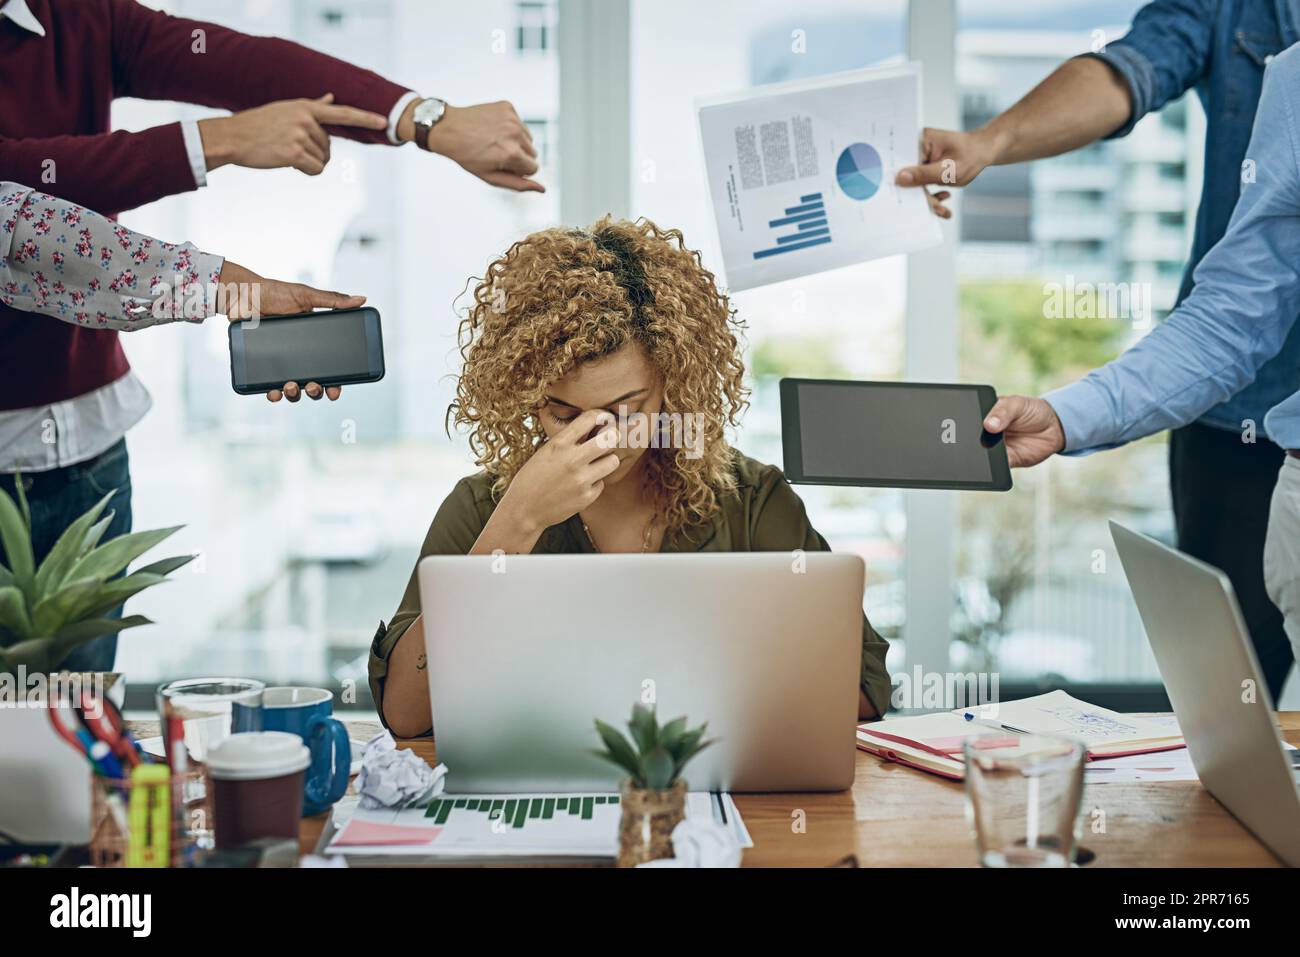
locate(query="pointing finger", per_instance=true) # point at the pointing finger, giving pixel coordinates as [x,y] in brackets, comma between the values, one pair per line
[330,115]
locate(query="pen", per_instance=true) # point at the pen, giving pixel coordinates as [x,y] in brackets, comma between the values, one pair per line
[989,723]
[183,847]
[107,763]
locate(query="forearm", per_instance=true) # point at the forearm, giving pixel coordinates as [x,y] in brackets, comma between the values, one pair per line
[107,172]
[70,263]
[509,531]
[1244,301]
[1202,354]
[159,58]
[1083,100]
[407,710]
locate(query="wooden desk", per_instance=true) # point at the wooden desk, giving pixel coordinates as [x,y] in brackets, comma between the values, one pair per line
[899,817]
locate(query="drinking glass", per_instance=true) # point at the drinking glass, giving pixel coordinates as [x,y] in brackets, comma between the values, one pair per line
[1022,798]
[211,710]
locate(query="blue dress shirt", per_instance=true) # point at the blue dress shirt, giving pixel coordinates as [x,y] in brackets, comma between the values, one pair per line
[1243,304]
[1220,48]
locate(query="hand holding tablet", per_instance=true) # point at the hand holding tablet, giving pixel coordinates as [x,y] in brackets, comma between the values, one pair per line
[891,435]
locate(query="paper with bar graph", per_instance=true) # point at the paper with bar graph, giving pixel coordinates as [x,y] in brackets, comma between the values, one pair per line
[506,826]
[801,175]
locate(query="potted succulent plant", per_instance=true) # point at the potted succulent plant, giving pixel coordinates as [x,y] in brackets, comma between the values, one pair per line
[47,611]
[653,798]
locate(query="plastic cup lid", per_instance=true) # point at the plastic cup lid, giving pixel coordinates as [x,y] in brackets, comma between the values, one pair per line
[254,755]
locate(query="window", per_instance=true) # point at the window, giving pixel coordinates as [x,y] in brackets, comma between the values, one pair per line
[308,518]
[542,130]
[1041,595]
[534,27]
[845,324]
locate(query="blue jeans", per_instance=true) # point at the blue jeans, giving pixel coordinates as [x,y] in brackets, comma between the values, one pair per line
[57,498]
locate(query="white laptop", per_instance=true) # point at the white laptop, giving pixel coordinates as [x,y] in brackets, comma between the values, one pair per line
[1214,683]
[524,652]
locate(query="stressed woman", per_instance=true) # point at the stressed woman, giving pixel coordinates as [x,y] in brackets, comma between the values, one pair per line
[601,371]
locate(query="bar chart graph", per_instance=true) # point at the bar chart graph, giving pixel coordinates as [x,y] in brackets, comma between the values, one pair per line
[516,811]
[503,826]
[807,219]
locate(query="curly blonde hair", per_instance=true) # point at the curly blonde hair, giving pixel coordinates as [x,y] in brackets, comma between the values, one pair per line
[563,297]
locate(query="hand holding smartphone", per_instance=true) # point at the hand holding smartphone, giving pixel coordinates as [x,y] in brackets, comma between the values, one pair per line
[334,347]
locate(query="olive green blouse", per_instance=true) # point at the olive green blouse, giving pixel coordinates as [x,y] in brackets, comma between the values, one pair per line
[761,514]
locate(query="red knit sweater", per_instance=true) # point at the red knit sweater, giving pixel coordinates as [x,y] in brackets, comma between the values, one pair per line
[55,95]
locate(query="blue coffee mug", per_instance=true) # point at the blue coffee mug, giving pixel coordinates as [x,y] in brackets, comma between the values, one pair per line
[308,713]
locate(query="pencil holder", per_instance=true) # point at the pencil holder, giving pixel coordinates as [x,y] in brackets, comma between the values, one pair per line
[171,815]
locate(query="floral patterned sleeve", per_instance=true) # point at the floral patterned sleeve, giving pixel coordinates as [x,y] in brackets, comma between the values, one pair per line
[62,260]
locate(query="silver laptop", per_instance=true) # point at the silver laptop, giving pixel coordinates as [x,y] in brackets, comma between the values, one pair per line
[524,652]
[1210,671]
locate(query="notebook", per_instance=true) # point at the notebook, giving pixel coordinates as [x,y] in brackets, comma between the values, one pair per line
[930,742]
[933,742]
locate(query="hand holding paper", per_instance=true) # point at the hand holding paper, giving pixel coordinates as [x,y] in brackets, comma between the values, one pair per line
[801,175]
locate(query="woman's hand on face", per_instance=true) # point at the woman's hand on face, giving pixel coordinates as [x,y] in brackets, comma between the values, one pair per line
[567,473]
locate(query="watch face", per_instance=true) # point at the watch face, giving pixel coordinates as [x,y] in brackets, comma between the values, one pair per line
[429,111]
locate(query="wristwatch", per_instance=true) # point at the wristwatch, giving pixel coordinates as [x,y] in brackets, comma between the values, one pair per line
[427,113]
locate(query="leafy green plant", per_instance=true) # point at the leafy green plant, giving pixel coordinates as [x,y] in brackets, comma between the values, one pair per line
[656,754]
[46,612]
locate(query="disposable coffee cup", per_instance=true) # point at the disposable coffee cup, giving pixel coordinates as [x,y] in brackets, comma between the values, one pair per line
[257,782]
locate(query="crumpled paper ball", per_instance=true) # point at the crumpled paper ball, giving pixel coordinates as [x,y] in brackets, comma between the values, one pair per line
[701,843]
[393,777]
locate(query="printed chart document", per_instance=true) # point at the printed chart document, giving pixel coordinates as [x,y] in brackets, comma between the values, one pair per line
[483,827]
[801,175]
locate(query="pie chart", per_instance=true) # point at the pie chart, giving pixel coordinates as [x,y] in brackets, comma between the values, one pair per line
[859,170]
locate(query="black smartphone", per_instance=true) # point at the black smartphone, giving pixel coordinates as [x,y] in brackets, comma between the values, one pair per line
[335,347]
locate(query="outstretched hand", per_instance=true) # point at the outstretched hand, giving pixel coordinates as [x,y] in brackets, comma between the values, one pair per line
[243,294]
[948,158]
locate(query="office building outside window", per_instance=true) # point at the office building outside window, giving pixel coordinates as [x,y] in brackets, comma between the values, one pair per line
[1041,595]
[534,27]
[308,518]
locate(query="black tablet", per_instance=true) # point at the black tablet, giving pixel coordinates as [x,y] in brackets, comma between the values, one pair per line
[891,435]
